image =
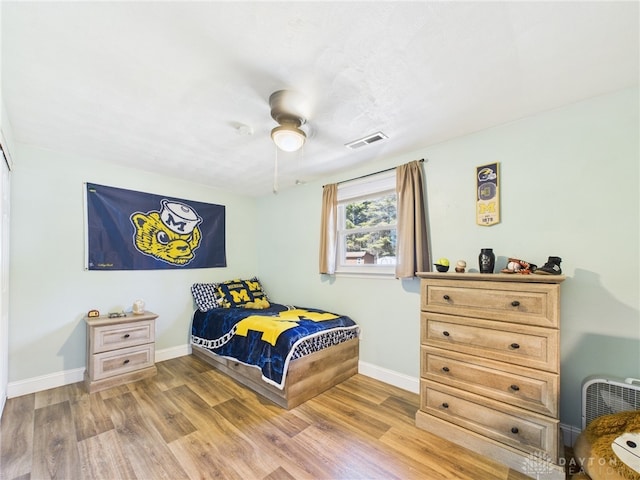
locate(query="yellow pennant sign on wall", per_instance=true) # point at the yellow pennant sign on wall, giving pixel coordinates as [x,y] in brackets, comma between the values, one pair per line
[488,195]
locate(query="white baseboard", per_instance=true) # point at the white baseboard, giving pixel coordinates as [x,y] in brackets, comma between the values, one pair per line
[396,379]
[44,382]
[66,377]
[173,352]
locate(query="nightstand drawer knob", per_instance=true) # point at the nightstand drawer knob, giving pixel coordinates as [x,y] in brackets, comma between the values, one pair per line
[445,405]
[445,369]
[515,388]
[445,333]
[515,346]
[126,361]
[126,335]
[446,297]
[515,303]
[514,430]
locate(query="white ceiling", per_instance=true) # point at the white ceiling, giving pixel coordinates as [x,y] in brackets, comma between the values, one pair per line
[165,86]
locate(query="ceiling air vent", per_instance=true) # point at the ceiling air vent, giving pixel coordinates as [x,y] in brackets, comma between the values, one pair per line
[368,140]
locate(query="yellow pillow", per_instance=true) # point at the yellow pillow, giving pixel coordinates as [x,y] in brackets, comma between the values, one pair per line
[259,304]
[237,293]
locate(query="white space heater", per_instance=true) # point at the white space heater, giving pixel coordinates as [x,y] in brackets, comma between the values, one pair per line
[602,396]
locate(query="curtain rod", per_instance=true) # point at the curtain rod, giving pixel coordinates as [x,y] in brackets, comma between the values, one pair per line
[370,174]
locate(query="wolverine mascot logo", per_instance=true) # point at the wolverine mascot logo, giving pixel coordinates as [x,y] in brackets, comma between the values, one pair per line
[171,235]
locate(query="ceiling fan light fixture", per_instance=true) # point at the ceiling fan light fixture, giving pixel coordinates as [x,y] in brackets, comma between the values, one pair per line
[288,138]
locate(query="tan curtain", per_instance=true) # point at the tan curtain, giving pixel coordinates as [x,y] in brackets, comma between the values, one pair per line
[412,248]
[328,229]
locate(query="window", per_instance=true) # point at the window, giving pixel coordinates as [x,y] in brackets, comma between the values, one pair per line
[367,225]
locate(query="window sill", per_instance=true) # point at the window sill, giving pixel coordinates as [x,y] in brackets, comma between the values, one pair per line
[363,273]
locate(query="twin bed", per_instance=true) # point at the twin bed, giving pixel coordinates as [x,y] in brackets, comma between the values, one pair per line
[285,353]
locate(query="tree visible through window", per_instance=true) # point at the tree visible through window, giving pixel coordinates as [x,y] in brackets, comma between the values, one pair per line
[367,218]
[368,227]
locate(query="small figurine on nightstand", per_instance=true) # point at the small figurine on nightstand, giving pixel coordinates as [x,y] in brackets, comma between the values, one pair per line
[461,265]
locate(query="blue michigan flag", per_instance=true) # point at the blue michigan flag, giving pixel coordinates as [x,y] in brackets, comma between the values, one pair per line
[128,230]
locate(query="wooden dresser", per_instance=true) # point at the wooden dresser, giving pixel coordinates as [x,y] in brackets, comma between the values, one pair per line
[490,366]
[119,350]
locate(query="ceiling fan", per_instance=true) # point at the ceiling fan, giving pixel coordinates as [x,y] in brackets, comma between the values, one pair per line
[287,135]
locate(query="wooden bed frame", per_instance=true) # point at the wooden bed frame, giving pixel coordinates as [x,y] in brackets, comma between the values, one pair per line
[307,376]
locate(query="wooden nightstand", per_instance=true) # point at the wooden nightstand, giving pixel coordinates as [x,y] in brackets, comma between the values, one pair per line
[119,350]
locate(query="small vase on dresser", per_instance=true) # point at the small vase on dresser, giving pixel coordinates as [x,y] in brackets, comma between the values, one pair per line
[486,260]
[490,366]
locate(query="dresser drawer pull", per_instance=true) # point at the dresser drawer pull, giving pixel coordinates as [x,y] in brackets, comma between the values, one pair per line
[445,333]
[126,335]
[445,369]
[445,405]
[514,430]
[515,346]
[515,388]
[446,297]
[515,303]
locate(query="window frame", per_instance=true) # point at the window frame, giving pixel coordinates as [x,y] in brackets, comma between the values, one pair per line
[369,187]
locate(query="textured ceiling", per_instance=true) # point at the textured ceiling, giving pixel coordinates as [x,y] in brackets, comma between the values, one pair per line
[166,86]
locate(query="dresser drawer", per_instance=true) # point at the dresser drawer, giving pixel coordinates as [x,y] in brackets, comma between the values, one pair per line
[533,347]
[519,386]
[125,360]
[518,428]
[530,304]
[111,337]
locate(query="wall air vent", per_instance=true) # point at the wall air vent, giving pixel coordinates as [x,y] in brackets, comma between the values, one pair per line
[368,140]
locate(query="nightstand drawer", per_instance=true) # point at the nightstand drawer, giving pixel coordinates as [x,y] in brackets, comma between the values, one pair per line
[533,347]
[519,386]
[532,304]
[125,360]
[111,337]
[518,428]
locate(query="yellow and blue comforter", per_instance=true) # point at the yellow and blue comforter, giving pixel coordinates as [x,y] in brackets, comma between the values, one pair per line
[270,338]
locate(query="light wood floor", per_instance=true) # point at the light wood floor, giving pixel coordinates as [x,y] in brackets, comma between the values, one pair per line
[190,421]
